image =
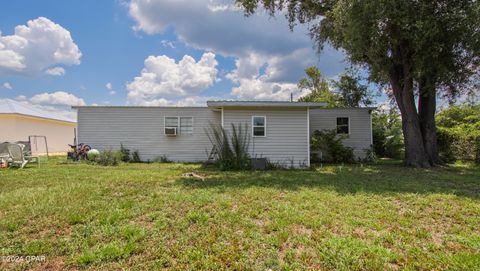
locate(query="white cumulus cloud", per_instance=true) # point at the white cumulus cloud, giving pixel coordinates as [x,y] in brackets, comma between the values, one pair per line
[109,86]
[7,85]
[36,46]
[269,57]
[218,26]
[21,98]
[61,98]
[56,71]
[58,102]
[257,77]
[167,43]
[259,89]
[163,77]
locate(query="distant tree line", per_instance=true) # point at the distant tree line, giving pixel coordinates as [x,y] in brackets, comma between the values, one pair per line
[421,49]
[458,126]
[348,91]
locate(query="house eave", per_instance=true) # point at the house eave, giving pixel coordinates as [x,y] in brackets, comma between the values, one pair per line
[263,104]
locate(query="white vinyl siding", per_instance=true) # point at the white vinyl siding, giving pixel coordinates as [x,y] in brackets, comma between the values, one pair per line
[141,128]
[286,140]
[359,129]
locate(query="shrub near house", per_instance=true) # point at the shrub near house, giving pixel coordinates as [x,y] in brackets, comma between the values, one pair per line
[329,144]
[459,133]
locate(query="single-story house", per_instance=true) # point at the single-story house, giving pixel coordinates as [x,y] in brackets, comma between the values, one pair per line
[18,121]
[280,131]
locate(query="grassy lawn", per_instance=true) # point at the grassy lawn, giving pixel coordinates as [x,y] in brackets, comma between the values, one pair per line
[147,216]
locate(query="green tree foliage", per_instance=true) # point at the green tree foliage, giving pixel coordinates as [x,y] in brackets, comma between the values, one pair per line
[387,133]
[348,91]
[318,87]
[416,46]
[459,133]
[351,92]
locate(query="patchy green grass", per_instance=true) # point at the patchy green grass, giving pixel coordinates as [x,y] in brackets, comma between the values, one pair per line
[147,216]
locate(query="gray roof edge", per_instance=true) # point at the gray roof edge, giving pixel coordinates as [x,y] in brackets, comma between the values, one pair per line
[284,104]
[265,104]
[322,105]
[133,106]
[349,108]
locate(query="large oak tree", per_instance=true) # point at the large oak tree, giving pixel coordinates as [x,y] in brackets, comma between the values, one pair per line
[418,47]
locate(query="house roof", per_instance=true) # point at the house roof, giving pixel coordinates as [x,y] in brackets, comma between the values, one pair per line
[8,106]
[225,103]
[263,104]
[230,103]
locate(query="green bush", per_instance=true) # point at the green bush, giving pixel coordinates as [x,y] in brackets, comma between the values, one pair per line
[387,134]
[477,150]
[162,159]
[458,133]
[231,149]
[331,147]
[274,165]
[125,154]
[129,157]
[371,156]
[444,141]
[136,157]
[109,158]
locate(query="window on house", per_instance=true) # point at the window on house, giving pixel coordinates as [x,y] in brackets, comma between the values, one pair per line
[186,125]
[183,125]
[171,122]
[258,125]
[342,125]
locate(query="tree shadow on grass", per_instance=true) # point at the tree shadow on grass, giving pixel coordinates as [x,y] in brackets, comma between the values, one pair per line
[385,178]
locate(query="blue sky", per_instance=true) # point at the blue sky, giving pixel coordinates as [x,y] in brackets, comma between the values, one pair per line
[143,52]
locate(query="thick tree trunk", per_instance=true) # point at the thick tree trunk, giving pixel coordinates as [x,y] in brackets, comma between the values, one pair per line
[415,154]
[426,110]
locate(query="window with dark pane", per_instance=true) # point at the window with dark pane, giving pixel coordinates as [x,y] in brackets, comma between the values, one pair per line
[258,124]
[342,125]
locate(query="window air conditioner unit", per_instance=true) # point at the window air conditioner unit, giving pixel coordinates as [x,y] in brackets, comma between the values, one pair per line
[171,131]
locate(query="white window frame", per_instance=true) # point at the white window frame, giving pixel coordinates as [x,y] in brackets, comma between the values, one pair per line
[165,124]
[264,126]
[178,124]
[336,125]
